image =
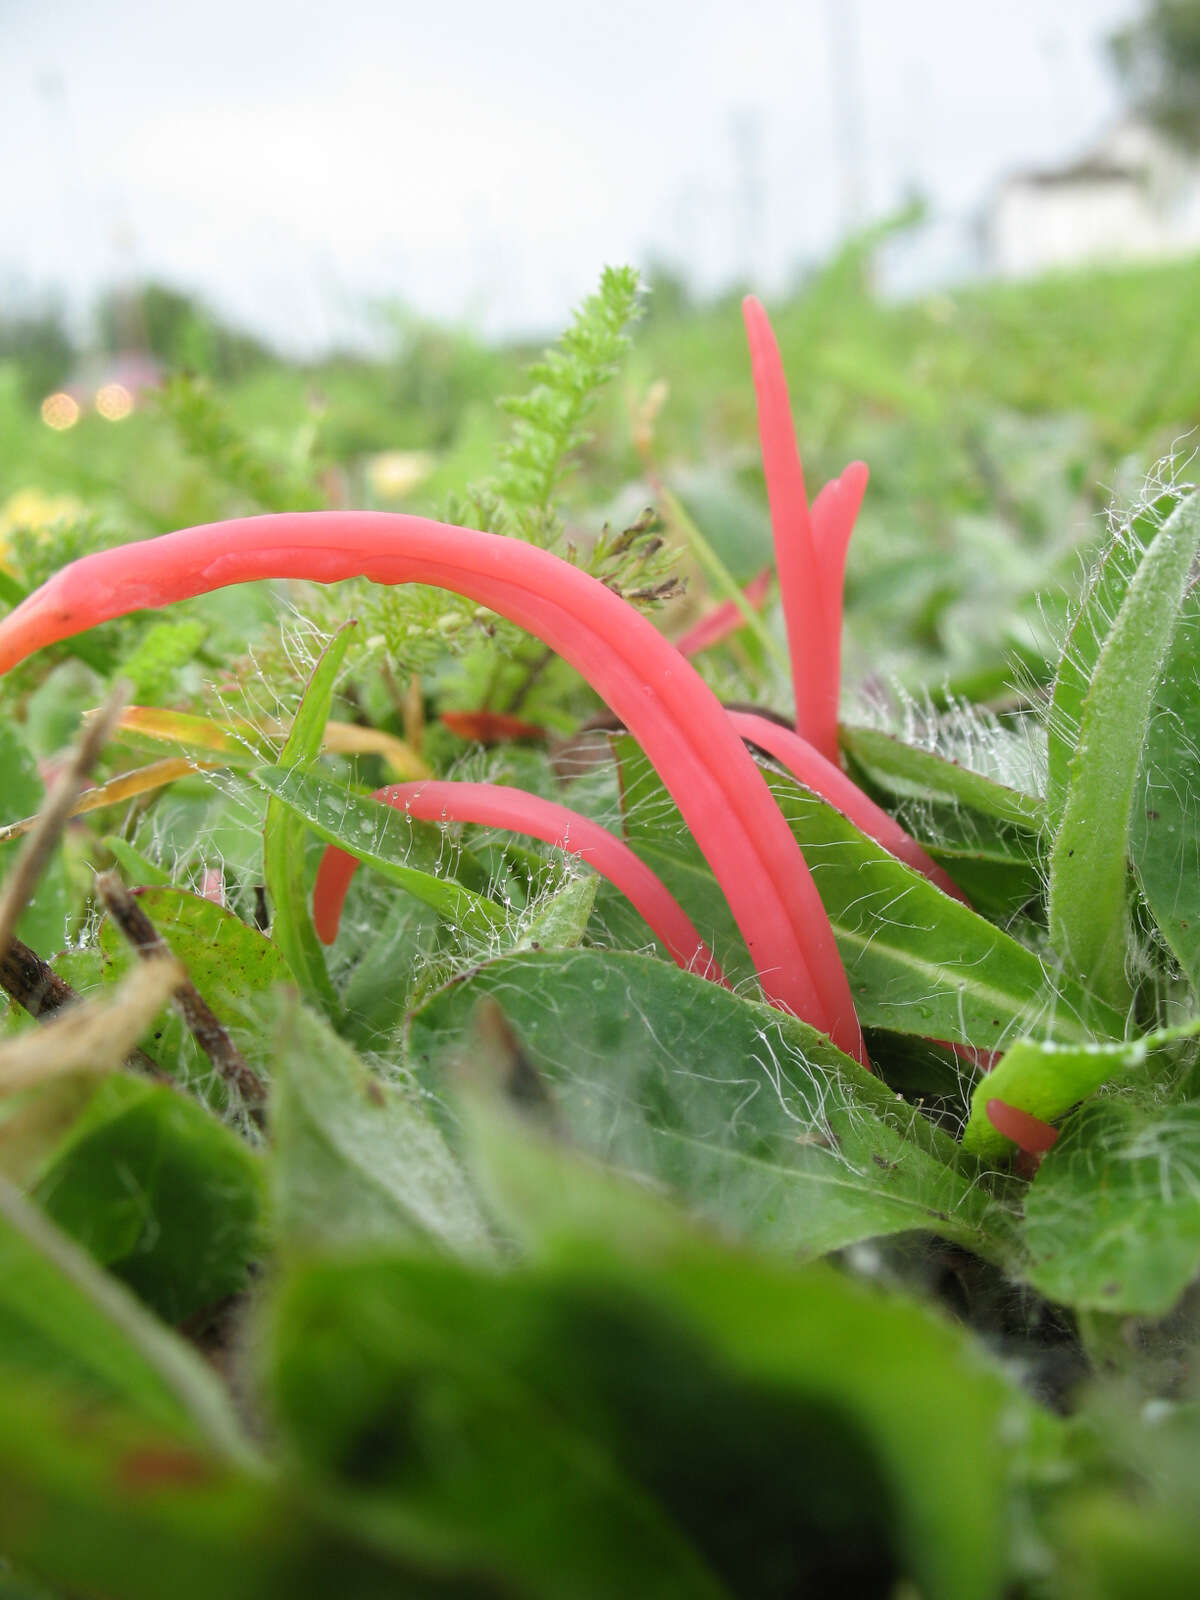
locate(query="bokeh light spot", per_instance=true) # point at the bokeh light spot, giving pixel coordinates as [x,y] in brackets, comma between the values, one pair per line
[114,402]
[60,411]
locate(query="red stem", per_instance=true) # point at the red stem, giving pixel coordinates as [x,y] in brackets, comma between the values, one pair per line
[643,678]
[492,805]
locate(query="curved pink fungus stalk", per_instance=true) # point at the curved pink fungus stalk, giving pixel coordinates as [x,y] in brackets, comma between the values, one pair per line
[1027,1132]
[831,783]
[492,805]
[810,547]
[724,619]
[643,678]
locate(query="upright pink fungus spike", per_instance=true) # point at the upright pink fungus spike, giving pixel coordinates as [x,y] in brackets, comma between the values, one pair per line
[725,618]
[645,681]
[805,608]
[494,806]
[832,784]
[834,512]
[1028,1133]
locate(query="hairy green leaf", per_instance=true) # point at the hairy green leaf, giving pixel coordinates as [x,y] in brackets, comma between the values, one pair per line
[355,1158]
[160,1193]
[908,771]
[1048,1079]
[749,1115]
[387,840]
[1088,859]
[1112,1221]
[1165,832]
[230,963]
[1089,630]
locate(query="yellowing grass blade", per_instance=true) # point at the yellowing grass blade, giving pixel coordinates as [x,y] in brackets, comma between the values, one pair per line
[124,787]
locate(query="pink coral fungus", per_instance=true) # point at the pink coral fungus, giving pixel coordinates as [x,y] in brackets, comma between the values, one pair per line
[646,682]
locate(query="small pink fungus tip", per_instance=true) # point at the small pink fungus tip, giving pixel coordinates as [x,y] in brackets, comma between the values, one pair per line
[1027,1132]
[725,619]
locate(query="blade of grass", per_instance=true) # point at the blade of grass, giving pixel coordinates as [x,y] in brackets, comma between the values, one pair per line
[721,577]
[284,834]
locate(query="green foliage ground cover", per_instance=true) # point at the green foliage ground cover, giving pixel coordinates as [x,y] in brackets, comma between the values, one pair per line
[548,1268]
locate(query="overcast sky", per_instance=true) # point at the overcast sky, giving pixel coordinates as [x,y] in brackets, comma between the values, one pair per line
[484,159]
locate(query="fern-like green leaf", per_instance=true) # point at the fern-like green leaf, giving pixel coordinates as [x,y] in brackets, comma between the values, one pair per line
[208,433]
[565,384]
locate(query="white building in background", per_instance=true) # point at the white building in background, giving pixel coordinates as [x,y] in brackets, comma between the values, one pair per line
[1132,196]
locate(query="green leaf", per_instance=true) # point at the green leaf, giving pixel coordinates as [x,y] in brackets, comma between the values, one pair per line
[225,957]
[43,922]
[1088,896]
[382,1385]
[560,921]
[64,1320]
[918,961]
[284,834]
[995,864]
[161,651]
[101,1503]
[160,1193]
[590,1223]
[137,868]
[229,962]
[357,1159]
[566,383]
[1048,1079]
[384,839]
[1165,833]
[633,1418]
[748,1114]
[1117,1551]
[1112,1221]
[909,772]
[1089,631]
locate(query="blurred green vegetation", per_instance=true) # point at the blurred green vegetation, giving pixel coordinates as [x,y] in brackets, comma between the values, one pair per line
[997,419]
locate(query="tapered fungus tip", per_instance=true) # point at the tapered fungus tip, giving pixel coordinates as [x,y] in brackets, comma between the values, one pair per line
[1027,1132]
[757,323]
[25,630]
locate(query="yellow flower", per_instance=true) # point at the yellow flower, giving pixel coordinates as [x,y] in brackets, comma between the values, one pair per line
[32,508]
[393,474]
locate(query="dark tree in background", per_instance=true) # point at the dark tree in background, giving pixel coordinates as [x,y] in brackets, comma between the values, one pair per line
[36,341]
[1158,57]
[177,329]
